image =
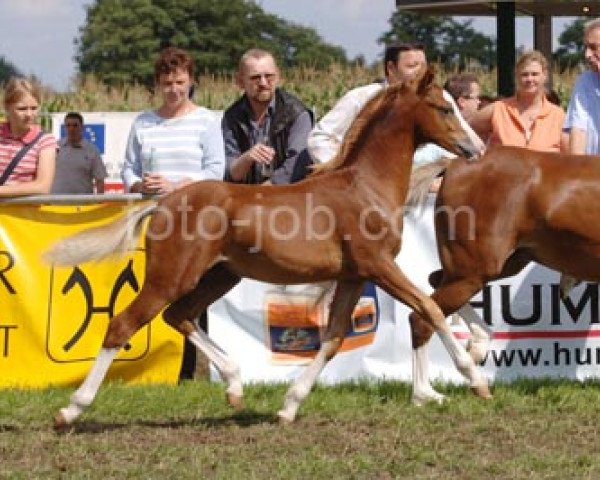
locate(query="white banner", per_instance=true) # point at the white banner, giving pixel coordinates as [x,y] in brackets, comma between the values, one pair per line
[535,333]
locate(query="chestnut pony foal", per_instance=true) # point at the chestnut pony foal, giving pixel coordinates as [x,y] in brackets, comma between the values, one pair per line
[343,223]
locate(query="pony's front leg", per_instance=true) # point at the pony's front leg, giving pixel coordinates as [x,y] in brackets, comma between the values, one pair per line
[389,277]
[120,329]
[85,394]
[345,298]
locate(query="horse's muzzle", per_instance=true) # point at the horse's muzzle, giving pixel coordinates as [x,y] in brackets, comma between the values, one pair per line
[468,150]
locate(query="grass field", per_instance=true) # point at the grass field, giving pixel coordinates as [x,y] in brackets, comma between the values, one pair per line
[529,430]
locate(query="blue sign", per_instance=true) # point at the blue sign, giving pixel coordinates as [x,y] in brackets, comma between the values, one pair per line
[94,132]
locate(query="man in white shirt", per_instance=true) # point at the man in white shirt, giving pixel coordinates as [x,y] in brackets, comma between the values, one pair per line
[402,61]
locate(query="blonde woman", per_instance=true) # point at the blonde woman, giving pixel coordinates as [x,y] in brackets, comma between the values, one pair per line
[526,119]
[32,171]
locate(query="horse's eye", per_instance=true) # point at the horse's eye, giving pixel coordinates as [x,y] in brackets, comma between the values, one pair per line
[446,110]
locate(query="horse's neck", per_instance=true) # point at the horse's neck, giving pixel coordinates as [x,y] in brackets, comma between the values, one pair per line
[388,162]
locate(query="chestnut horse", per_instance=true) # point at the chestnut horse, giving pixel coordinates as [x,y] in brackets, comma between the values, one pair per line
[343,224]
[495,215]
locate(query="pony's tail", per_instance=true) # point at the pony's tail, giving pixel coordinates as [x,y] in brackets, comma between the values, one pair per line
[96,243]
[421,179]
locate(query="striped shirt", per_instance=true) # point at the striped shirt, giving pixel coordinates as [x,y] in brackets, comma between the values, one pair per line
[26,169]
[190,146]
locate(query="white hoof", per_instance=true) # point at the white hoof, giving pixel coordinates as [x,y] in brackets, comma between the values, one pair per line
[427,396]
[285,417]
[66,416]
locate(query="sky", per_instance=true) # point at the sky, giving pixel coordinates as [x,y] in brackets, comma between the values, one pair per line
[37,35]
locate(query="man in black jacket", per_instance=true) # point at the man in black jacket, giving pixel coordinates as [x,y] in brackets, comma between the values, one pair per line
[265,131]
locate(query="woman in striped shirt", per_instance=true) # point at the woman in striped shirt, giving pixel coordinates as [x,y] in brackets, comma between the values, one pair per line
[180,142]
[34,173]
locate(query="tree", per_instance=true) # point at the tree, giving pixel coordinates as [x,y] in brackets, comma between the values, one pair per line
[120,38]
[7,70]
[451,43]
[570,52]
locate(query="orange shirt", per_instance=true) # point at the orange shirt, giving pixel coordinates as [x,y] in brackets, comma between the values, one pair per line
[546,130]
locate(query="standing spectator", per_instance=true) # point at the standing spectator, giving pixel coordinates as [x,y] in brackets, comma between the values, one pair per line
[583,112]
[402,61]
[173,146]
[21,137]
[265,130]
[466,92]
[526,119]
[180,142]
[79,166]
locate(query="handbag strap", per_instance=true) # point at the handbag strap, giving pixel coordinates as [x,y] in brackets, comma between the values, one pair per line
[17,158]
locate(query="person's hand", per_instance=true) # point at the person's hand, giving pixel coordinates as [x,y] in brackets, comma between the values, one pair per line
[156,184]
[261,154]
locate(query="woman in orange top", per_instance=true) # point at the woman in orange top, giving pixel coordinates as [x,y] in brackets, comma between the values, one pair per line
[526,119]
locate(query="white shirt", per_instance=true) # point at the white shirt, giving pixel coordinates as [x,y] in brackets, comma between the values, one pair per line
[190,146]
[328,134]
[583,111]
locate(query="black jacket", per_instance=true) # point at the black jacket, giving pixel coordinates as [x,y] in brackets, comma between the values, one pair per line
[287,109]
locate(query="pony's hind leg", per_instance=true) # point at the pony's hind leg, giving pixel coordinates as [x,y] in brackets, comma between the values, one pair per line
[345,298]
[213,285]
[120,328]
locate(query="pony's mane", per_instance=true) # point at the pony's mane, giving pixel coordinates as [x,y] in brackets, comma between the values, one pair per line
[375,107]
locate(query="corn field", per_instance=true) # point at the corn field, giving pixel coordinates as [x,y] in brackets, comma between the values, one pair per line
[317,88]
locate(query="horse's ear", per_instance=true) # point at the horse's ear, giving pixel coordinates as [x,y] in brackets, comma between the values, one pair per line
[426,81]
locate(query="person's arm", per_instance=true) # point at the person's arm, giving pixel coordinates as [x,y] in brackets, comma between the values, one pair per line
[296,143]
[99,172]
[578,116]
[43,178]
[131,173]
[213,159]
[481,121]
[99,185]
[326,137]
[577,141]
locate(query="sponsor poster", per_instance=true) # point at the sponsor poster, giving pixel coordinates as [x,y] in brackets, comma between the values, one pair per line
[53,320]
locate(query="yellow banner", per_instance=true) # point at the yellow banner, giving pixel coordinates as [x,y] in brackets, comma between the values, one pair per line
[53,320]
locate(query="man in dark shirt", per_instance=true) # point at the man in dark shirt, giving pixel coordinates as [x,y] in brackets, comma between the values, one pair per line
[265,131]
